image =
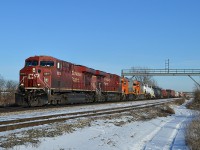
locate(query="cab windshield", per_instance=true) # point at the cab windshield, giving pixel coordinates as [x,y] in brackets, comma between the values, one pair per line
[46,63]
[31,63]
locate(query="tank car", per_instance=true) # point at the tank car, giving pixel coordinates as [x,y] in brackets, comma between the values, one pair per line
[47,80]
[149,92]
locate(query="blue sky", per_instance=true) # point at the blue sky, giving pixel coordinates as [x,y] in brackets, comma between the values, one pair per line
[109,35]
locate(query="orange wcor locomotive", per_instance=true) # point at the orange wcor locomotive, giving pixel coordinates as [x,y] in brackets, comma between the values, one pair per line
[47,80]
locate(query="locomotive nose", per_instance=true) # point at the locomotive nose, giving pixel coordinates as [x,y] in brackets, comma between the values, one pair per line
[29,77]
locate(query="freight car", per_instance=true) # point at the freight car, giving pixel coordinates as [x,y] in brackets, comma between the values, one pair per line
[47,80]
[158,92]
[170,93]
[164,93]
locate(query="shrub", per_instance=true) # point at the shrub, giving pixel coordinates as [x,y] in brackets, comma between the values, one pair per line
[193,129]
[167,109]
[179,101]
[195,104]
[7,91]
[193,134]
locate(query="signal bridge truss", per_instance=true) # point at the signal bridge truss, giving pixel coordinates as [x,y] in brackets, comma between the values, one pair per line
[162,72]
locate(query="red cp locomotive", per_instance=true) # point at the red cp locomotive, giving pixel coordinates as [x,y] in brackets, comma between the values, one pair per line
[47,80]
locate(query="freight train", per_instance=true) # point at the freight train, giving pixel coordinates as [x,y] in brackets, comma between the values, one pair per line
[47,80]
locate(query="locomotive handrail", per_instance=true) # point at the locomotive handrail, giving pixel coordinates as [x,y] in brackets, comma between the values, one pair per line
[44,83]
[22,79]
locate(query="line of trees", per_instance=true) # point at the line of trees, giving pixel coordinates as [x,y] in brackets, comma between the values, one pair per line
[7,91]
[145,79]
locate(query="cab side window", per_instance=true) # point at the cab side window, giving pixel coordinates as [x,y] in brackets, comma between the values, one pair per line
[59,65]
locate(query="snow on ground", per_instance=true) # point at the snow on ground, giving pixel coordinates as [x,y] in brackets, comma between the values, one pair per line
[159,133]
[102,135]
[171,135]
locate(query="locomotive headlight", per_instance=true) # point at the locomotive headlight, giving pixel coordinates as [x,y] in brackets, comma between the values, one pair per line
[22,84]
[46,73]
[46,80]
[38,84]
[33,70]
[22,74]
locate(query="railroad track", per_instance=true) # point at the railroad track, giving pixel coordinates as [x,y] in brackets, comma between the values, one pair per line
[41,120]
[9,109]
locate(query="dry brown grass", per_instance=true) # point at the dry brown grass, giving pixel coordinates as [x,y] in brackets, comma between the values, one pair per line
[195,104]
[7,99]
[167,109]
[32,136]
[193,129]
[193,134]
[179,101]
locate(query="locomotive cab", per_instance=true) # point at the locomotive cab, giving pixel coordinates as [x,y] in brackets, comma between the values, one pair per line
[36,73]
[35,80]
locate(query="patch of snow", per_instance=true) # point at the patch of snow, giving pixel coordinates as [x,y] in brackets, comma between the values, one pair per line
[101,135]
[172,134]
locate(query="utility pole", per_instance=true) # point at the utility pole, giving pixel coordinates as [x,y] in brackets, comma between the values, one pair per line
[167,65]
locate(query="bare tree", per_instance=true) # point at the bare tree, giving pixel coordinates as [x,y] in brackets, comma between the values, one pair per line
[7,91]
[2,83]
[11,87]
[2,86]
[145,79]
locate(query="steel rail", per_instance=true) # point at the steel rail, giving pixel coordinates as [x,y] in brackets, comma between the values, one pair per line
[30,122]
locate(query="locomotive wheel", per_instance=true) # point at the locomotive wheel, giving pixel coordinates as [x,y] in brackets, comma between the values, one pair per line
[134,97]
[36,101]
